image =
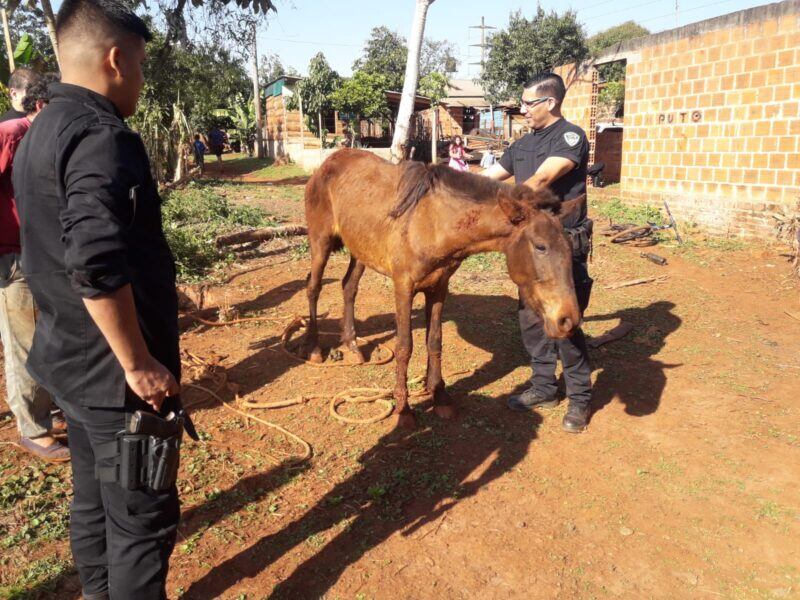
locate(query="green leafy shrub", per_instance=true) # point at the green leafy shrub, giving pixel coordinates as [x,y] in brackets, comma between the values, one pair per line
[193,218]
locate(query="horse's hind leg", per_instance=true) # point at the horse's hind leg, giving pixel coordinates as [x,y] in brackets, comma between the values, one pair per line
[349,289]
[443,404]
[321,246]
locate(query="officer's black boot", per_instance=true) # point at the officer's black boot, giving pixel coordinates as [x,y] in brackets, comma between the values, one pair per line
[577,418]
[528,400]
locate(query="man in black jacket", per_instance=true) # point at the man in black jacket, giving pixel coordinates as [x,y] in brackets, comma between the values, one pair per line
[103,277]
[554,154]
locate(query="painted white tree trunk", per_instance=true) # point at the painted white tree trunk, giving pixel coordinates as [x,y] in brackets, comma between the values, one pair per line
[401,131]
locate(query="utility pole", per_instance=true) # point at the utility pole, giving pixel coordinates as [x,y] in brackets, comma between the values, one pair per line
[676,14]
[257,97]
[484,45]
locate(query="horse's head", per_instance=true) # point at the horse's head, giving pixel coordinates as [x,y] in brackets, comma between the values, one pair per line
[539,255]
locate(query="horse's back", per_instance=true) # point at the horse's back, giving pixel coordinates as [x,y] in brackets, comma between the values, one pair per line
[350,196]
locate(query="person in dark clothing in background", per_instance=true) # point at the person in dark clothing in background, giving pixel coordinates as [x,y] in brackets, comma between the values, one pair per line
[199,149]
[103,277]
[19,81]
[216,144]
[554,154]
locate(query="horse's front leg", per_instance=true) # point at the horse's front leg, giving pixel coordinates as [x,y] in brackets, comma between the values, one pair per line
[443,404]
[403,297]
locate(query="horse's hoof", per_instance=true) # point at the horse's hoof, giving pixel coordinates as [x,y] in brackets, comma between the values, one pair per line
[356,354]
[445,411]
[405,420]
[315,356]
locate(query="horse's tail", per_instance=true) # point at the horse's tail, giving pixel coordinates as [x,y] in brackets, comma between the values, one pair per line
[416,180]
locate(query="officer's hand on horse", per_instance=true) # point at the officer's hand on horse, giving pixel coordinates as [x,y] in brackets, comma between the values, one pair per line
[152,383]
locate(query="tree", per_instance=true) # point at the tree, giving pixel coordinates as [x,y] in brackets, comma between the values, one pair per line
[272,68]
[434,86]
[213,14]
[317,89]
[530,46]
[437,57]
[24,19]
[408,97]
[384,54]
[609,38]
[614,35]
[363,94]
[202,78]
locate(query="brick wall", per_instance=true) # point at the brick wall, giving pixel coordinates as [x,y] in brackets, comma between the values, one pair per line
[451,122]
[608,150]
[711,118]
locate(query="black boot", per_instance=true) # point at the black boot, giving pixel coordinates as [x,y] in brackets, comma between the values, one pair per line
[576,419]
[528,400]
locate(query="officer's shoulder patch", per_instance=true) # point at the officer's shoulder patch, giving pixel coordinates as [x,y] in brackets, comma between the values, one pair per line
[572,138]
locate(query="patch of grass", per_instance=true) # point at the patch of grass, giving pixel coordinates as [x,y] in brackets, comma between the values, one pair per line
[618,212]
[772,511]
[261,168]
[486,261]
[193,217]
[301,250]
[35,507]
[40,577]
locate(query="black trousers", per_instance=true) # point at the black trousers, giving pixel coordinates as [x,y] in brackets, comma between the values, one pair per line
[121,539]
[572,351]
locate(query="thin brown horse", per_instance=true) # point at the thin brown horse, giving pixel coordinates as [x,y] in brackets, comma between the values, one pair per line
[415,224]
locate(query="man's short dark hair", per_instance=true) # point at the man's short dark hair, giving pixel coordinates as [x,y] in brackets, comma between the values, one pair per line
[21,78]
[88,16]
[197,136]
[550,84]
[38,91]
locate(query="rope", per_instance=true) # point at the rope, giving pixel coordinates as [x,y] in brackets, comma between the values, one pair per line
[233,322]
[302,323]
[358,395]
[307,452]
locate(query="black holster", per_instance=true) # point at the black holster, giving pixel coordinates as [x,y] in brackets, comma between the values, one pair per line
[581,239]
[145,454]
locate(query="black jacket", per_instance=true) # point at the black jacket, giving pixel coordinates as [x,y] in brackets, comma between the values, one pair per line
[90,223]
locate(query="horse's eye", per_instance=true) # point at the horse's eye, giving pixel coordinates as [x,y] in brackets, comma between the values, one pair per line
[541,248]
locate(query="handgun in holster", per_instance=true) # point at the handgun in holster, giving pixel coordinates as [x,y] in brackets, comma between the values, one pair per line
[146,453]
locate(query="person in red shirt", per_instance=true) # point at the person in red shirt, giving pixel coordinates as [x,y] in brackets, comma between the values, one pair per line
[30,403]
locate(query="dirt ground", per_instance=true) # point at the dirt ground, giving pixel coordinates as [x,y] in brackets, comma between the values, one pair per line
[684,485]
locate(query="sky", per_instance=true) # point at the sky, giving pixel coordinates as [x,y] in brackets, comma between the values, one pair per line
[301,28]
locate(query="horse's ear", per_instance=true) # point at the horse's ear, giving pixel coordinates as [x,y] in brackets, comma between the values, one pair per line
[515,210]
[570,207]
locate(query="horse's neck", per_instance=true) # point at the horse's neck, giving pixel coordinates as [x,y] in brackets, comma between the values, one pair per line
[470,227]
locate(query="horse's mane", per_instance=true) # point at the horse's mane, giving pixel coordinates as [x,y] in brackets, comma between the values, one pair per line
[418,179]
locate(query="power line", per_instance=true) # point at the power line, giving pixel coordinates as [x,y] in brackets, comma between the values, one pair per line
[614,12]
[314,42]
[596,4]
[686,11]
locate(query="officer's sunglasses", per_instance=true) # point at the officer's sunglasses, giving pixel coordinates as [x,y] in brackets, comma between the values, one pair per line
[535,101]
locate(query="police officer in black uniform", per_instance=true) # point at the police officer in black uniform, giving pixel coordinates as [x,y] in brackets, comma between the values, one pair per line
[106,341]
[555,154]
